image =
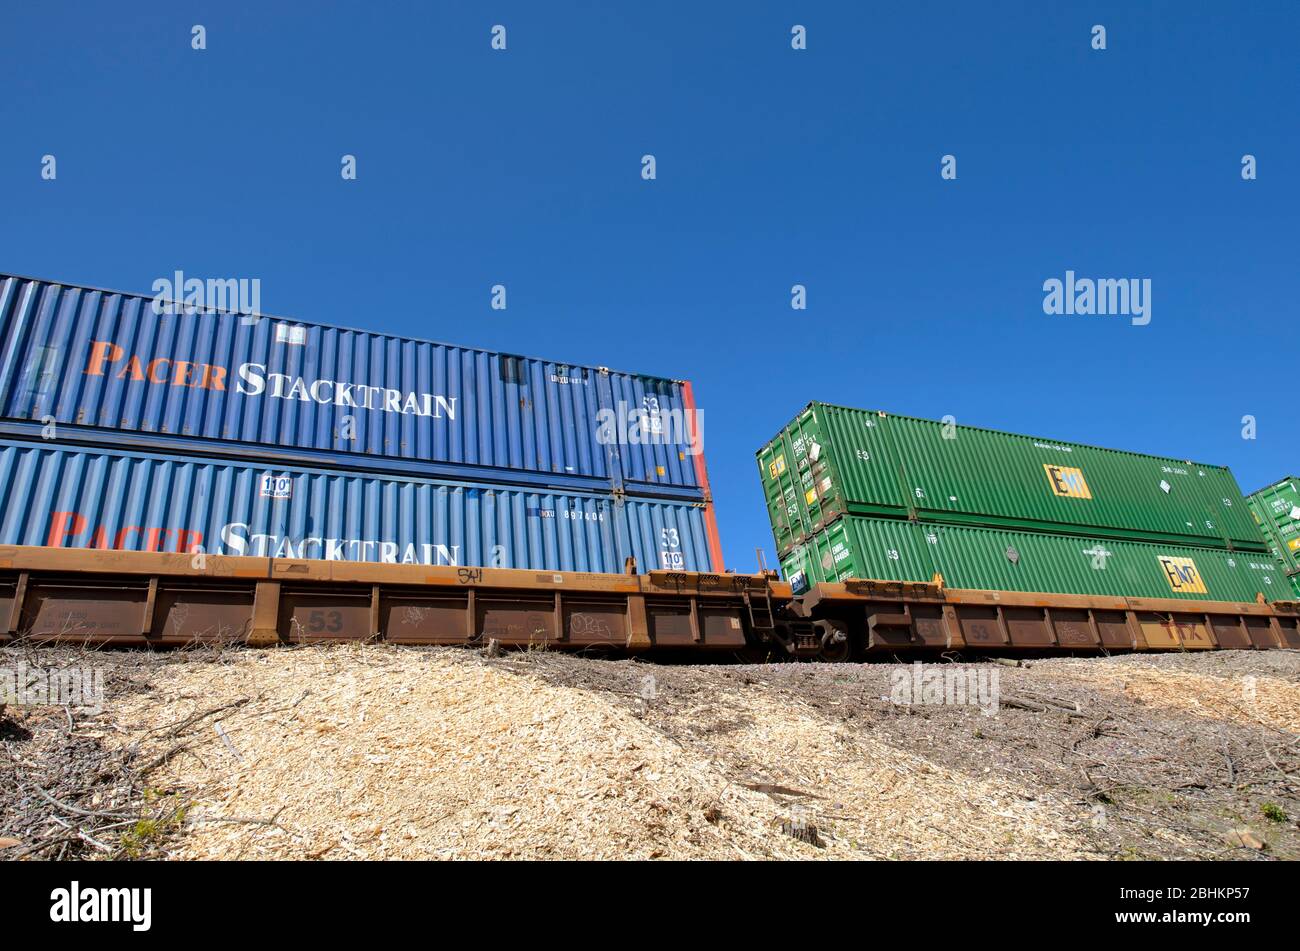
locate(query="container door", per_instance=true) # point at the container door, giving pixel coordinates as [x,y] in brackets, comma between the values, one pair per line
[16,303]
[605,401]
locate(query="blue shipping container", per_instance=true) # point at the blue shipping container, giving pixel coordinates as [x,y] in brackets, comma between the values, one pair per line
[95,498]
[224,384]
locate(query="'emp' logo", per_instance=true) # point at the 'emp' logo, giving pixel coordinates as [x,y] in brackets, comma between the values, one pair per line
[1182,575]
[1067,481]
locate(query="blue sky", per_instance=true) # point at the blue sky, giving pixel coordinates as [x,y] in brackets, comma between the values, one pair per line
[775,167]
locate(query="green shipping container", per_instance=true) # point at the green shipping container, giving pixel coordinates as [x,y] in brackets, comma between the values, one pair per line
[1277,510]
[998,559]
[831,461]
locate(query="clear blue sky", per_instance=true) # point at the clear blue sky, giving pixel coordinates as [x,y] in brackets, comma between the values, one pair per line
[775,167]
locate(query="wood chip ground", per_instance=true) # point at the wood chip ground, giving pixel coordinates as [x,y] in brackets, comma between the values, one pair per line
[356,751]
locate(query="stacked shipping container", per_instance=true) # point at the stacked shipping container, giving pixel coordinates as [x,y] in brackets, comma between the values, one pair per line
[857,546]
[831,460]
[856,493]
[1277,511]
[102,498]
[405,438]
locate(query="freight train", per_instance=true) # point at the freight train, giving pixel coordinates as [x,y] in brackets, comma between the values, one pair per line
[170,473]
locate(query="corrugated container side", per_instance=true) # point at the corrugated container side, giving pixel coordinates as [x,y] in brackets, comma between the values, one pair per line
[107,362]
[996,559]
[90,498]
[1051,484]
[832,460]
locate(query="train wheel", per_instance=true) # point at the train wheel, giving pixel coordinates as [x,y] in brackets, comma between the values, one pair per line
[837,646]
[836,652]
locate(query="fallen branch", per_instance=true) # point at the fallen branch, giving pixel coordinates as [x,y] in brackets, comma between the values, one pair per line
[73,809]
[189,721]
